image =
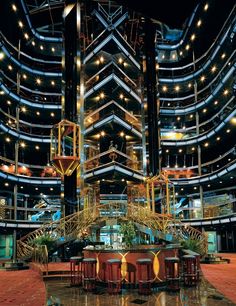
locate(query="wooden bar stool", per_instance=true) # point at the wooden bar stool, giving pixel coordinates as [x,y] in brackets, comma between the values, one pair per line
[172,273]
[76,270]
[114,275]
[190,273]
[89,273]
[144,267]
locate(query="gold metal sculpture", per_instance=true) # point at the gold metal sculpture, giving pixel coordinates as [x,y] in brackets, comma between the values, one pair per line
[166,191]
[73,226]
[64,151]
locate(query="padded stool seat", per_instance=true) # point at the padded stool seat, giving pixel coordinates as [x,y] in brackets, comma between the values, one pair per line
[190,271]
[114,275]
[76,270]
[144,266]
[89,273]
[172,273]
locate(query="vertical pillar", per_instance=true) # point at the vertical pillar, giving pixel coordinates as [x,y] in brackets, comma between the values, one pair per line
[152,101]
[71,83]
[199,153]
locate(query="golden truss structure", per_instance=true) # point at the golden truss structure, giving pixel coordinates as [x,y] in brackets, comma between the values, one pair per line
[73,226]
[162,181]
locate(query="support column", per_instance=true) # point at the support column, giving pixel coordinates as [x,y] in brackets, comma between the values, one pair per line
[71,84]
[199,153]
[152,101]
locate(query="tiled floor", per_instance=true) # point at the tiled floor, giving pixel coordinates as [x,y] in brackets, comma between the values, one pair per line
[60,293]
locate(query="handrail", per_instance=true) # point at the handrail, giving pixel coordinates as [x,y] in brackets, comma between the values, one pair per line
[27,68]
[34,32]
[34,59]
[221,157]
[199,104]
[24,101]
[200,137]
[210,120]
[204,56]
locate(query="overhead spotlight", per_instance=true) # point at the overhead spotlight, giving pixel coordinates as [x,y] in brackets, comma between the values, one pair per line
[233,120]
[14,7]
[206,7]
[38,81]
[199,23]
[20,23]
[53,49]
[41,47]
[193,36]
[26,36]
[33,43]
[213,69]
[187,47]
[177,88]
[2,55]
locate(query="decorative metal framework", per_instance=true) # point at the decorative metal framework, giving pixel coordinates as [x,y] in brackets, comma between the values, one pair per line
[65,147]
[73,226]
[166,191]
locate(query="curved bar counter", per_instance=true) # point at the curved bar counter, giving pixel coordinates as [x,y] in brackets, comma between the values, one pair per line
[129,257]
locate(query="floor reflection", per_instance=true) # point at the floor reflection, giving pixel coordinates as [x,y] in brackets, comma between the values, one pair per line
[60,293]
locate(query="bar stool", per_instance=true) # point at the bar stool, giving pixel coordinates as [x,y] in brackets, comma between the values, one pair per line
[76,270]
[89,273]
[172,273]
[190,270]
[144,266]
[114,275]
